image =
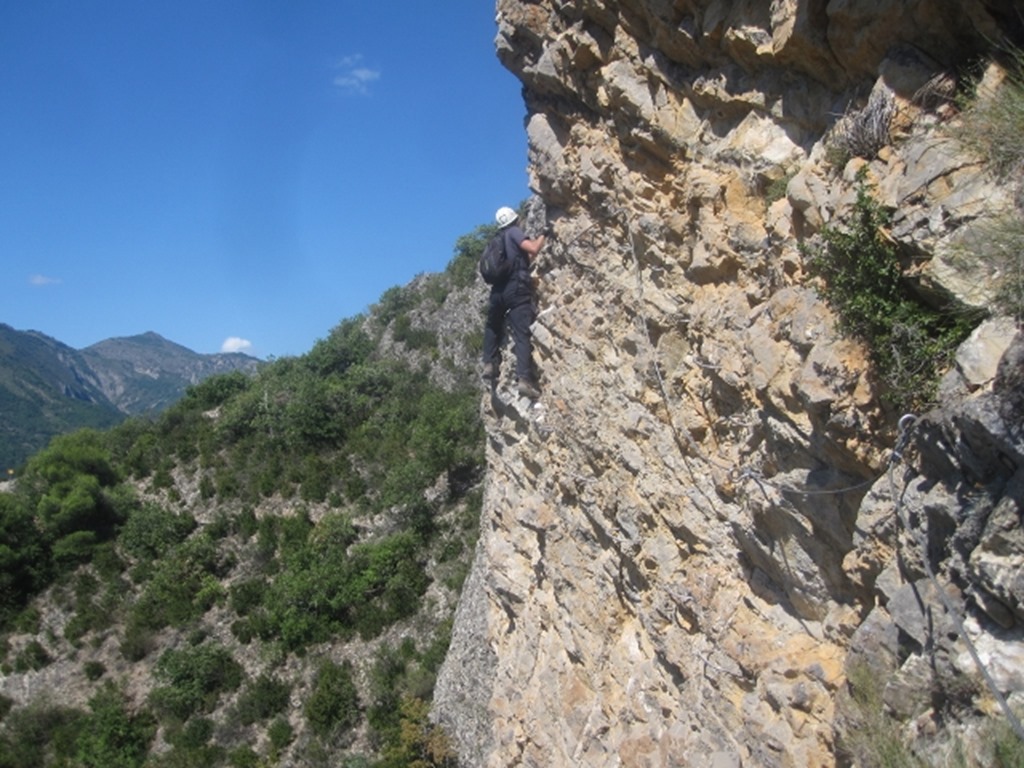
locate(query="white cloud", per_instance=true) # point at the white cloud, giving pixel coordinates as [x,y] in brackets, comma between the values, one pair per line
[235,344]
[353,76]
[42,280]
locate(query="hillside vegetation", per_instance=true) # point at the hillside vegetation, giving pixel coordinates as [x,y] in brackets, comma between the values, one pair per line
[48,389]
[266,573]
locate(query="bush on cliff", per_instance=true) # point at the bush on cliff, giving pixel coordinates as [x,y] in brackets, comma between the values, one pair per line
[910,343]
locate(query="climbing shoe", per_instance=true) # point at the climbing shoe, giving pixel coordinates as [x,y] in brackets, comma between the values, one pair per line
[527,389]
[488,371]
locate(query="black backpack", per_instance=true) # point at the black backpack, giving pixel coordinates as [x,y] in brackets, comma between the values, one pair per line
[495,265]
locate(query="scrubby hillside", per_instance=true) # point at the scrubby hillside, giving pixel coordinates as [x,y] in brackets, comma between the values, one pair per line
[266,574]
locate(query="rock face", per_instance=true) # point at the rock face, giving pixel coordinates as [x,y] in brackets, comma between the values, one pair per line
[710,520]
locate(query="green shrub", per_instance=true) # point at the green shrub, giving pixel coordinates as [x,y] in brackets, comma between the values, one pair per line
[775,189]
[393,303]
[243,631]
[316,479]
[135,442]
[387,687]
[1007,746]
[24,566]
[32,657]
[246,595]
[184,585]
[74,549]
[207,488]
[195,678]
[112,737]
[195,734]
[222,525]
[172,433]
[29,621]
[151,531]
[162,478]
[40,734]
[347,345]
[71,486]
[446,434]
[436,288]
[263,698]
[384,584]
[323,590]
[874,738]
[138,640]
[420,743]
[473,342]
[246,524]
[333,706]
[292,533]
[88,616]
[334,533]
[399,675]
[216,390]
[243,757]
[94,670]
[909,342]
[413,338]
[281,734]
[106,562]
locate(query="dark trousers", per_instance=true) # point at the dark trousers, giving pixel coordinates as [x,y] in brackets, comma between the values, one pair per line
[513,309]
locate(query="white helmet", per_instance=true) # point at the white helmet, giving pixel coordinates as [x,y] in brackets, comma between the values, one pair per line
[505,216]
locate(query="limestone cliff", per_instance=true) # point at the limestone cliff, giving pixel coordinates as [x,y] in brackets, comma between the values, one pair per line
[711,520]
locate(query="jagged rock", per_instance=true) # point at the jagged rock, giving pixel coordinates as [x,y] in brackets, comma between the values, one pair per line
[978,358]
[997,563]
[912,610]
[705,520]
[467,700]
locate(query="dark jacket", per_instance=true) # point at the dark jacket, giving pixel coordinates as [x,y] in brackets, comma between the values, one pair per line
[519,284]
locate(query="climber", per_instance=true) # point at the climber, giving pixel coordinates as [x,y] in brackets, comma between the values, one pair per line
[512,303]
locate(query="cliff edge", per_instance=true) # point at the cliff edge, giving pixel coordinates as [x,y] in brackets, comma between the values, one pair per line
[714,534]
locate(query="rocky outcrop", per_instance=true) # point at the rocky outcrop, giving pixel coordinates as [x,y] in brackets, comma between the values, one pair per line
[711,517]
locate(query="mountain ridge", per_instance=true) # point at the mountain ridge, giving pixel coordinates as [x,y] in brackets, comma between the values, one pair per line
[48,387]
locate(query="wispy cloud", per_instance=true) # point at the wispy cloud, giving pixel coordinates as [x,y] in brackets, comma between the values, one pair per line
[235,344]
[353,75]
[42,280]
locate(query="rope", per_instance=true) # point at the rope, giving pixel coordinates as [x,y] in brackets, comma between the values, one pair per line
[683,438]
[755,475]
[907,424]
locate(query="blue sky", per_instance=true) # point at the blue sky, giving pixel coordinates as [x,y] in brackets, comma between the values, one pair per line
[242,174]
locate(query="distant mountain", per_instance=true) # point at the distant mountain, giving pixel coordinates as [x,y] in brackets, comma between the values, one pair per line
[48,388]
[147,373]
